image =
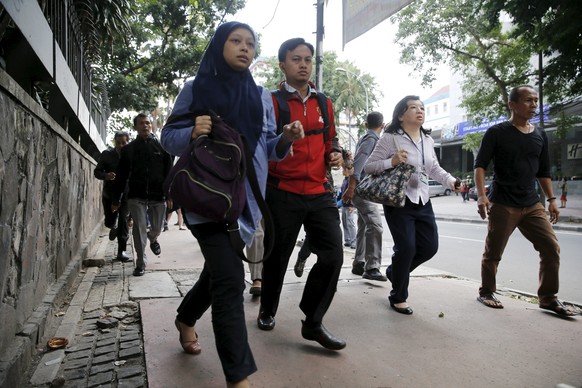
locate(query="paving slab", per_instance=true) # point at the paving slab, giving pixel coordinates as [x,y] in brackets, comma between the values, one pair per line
[451,340]
[152,285]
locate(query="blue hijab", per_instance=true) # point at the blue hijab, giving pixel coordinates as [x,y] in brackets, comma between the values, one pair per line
[231,94]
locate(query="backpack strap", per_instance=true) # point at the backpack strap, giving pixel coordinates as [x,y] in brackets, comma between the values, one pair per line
[233,229]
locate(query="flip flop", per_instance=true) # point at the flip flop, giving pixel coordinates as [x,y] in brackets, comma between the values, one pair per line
[559,308]
[490,300]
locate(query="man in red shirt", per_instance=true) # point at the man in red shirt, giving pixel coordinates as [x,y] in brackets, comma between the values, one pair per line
[298,195]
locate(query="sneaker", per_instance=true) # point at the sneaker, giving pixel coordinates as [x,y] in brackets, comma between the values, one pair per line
[112,233]
[155,247]
[358,268]
[374,274]
[299,267]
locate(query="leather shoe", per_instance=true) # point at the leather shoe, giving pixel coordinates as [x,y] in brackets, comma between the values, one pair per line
[358,268]
[155,247]
[265,322]
[122,256]
[113,233]
[138,272]
[374,274]
[319,334]
[402,310]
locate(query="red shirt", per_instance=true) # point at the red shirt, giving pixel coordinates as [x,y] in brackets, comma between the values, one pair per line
[305,171]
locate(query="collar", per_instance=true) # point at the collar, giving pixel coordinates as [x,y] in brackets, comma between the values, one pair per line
[294,91]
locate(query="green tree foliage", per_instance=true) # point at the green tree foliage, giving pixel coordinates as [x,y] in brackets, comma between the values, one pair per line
[553,27]
[345,90]
[472,141]
[165,45]
[457,33]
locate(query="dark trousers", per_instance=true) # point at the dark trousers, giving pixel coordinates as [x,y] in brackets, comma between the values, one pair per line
[415,234]
[120,217]
[221,284]
[533,223]
[320,217]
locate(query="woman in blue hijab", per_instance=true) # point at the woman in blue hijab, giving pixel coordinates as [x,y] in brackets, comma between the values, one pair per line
[225,85]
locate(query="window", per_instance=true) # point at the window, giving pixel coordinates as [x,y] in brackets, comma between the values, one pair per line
[428,110]
[436,109]
[444,107]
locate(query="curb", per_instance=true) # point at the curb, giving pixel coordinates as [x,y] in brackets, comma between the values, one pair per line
[570,226]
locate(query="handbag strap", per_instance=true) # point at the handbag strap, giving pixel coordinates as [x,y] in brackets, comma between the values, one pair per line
[269,239]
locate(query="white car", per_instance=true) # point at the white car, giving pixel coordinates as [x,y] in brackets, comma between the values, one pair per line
[436,189]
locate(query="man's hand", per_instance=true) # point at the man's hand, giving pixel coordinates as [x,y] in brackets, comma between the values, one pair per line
[202,126]
[335,160]
[483,206]
[348,195]
[293,131]
[554,212]
[114,207]
[110,176]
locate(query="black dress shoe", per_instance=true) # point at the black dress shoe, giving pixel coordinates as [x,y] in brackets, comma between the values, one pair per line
[319,334]
[265,322]
[155,247]
[122,256]
[358,268]
[374,274]
[138,272]
[402,310]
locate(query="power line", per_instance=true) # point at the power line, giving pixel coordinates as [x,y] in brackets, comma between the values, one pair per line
[272,17]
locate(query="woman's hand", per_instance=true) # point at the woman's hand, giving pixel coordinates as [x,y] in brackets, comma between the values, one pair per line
[202,126]
[399,157]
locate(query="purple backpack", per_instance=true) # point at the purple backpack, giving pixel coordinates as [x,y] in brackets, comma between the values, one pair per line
[209,177]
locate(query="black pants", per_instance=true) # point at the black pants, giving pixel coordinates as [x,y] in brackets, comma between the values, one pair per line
[221,284]
[415,234]
[120,217]
[320,218]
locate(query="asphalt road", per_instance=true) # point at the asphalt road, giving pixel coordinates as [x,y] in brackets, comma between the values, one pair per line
[461,246]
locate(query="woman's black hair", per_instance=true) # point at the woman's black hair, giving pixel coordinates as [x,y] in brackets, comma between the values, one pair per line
[401,107]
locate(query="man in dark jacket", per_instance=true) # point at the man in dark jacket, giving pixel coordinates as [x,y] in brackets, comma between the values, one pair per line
[298,194]
[106,171]
[143,166]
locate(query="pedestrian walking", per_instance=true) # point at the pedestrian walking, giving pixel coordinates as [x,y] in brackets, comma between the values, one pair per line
[520,155]
[224,85]
[116,221]
[298,195]
[143,166]
[368,257]
[413,226]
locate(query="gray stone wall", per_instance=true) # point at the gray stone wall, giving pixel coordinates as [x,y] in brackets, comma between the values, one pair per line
[50,211]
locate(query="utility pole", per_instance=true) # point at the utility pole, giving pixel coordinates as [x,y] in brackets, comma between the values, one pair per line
[319,46]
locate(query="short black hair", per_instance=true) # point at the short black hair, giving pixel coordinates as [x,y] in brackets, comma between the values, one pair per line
[140,115]
[121,134]
[514,92]
[292,44]
[374,120]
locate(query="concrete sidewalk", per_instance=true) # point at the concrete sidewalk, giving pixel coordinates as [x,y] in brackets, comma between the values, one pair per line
[451,340]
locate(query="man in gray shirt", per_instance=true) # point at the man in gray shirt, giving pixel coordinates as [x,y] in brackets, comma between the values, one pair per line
[369,236]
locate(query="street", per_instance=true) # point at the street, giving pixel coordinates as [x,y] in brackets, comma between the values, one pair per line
[462,243]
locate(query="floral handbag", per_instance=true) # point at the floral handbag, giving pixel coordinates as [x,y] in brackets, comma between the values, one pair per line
[388,187]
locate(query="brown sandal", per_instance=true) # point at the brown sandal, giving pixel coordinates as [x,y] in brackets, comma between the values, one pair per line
[190,347]
[559,308]
[490,300]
